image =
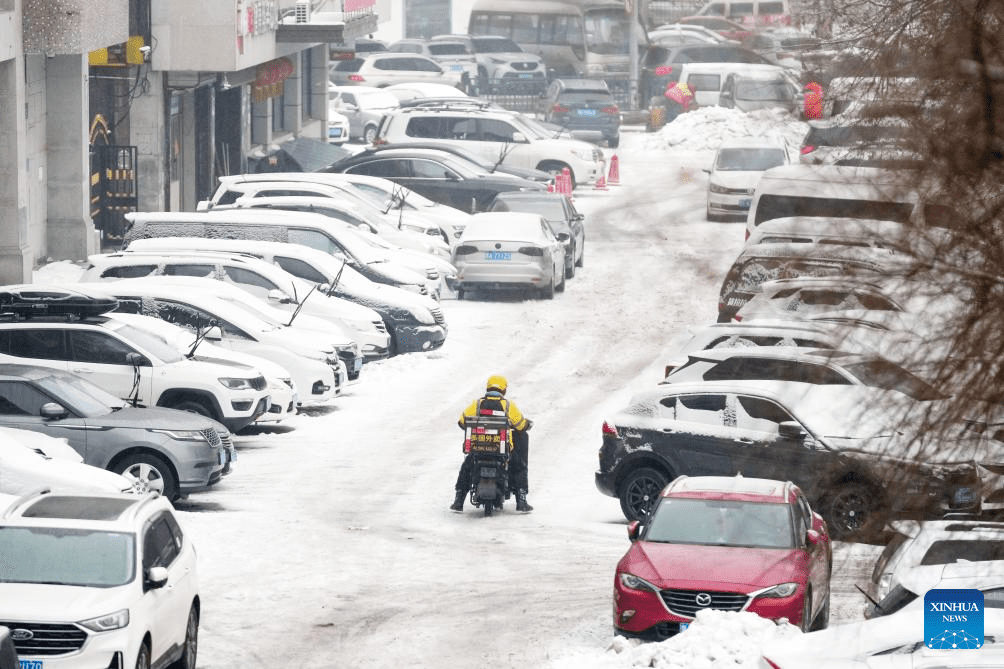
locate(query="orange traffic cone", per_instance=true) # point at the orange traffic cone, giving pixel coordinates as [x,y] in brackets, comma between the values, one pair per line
[601,183]
[566,181]
[550,186]
[614,178]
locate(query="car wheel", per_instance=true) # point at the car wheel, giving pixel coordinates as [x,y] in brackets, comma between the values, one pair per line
[193,406]
[561,286]
[582,257]
[640,491]
[614,142]
[369,134]
[460,293]
[489,507]
[190,651]
[554,168]
[850,511]
[822,620]
[548,292]
[143,657]
[149,471]
[570,270]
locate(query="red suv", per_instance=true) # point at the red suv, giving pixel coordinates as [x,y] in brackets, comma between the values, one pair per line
[725,543]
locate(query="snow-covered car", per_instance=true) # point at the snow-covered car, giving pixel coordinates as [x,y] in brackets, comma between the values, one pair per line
[338,126]
[98,581]
[415,322]
[560,213]
[454,56]
[384,68]
[915,581]
[237,329]
[858,470]
[728,544]
[364,106]
[509,250]
[503,67]
[421,90]
[735,171]
[934,542]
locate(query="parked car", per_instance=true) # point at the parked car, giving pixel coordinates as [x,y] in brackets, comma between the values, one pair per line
[509,250]
[174,453]
[416,91]
[724,544]
[735,172]
[661,64]
[748,91]
[130,365]
[502,137]
[503,67]
[584,107]
[848,460]
[364,106]
[843,231]
[673,34]
[438,175]
[725,27]
[558,210]
[383,69]
[932,542]
[708,79]
[830,140]
[458,149]
[98,580]
[454,56]
[338,126]
[775,48]
[415,322]
[985,575]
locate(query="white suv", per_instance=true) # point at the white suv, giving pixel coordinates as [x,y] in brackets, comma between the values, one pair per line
[496,135]
[132,365]
[98,581]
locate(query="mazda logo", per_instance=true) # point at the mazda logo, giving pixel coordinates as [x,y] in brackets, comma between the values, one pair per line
[22,635]
[497,245]
[703,599]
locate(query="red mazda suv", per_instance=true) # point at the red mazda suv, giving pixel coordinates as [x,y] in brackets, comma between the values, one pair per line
[725,543]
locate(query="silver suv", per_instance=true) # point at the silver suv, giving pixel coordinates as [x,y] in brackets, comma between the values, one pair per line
[503,67]
[98,581]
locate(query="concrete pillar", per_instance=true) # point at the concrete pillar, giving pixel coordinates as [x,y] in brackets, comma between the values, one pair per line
[148,131]
[16,257]
[70,233]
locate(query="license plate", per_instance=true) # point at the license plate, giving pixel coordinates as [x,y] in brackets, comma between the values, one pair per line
[587,112]
[965,496]
[223,456]
[498,255]
[357,364]
[456,68]
[745,202]
[684,626]
[488,472]
[334,132]
[31,664]
[526,76]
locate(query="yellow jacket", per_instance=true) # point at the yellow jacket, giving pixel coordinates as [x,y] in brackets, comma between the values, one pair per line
[495,401]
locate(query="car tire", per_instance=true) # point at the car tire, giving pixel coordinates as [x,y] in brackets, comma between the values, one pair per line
[640,491]
[582,257]
[548,292]
[369,134]
[460,293]
[150,470]
[851,511]
[143,657]
[554,168]
[570,269]
[193,406]
[614,142]
[560,288]
[822,620]
[190,648]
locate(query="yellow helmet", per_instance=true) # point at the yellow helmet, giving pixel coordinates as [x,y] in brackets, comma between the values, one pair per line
[497,382]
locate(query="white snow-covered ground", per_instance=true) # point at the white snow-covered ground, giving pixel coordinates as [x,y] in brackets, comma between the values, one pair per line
[331,545]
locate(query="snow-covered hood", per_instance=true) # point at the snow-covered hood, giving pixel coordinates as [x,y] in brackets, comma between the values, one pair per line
[309,343]
[61,603]
[22,471]
[736,179]
[218,367]
[155,418]
[684,566]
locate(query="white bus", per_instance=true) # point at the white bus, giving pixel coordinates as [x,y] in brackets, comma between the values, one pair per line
[576,38]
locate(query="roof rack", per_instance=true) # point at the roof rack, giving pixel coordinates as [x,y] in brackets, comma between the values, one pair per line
[448,103]
[29,302]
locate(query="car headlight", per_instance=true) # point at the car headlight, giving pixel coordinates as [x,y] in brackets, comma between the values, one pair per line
[779,591]
[717,188]
[112,621]
[635,583]
[182,435]
[583,154]
[498,61]
[235,383]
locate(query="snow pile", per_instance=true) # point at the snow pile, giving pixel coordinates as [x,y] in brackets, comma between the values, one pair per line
[716,640]
[707,127]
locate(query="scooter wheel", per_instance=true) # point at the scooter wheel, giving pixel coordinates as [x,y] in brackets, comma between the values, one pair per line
[488,509]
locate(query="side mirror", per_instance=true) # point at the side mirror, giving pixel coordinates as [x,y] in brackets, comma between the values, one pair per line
[519,138]
[706,170]
[53,411]
[214,333]
[137,360]
[156,577]
[813,537]
[789,429]
[563,236]
[349,107]
[634,530]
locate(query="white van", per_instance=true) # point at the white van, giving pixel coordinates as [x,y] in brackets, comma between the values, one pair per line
[839,191]
[751,12]
[707,78]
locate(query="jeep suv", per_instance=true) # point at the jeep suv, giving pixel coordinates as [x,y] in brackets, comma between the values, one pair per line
[98,581]
[130,364]
[496,135]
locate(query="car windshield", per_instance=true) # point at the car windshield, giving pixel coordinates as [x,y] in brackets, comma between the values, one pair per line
[549,208]
[494,45]
[65,556]
[715,522]
[757,91]
[155,345]
[890,376]
[749,160]
[86,398]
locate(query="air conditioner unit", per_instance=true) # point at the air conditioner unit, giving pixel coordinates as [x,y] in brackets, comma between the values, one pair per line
[303,11]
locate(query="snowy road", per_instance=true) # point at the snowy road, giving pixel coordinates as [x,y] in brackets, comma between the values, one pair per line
[332,546]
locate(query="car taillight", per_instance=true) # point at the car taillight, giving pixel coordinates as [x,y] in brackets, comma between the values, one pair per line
[612,109]
[531,251]
[356,77]
[609,429]
[663,70]
[737,318]
[465,249]
[559,109]
[807,149]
